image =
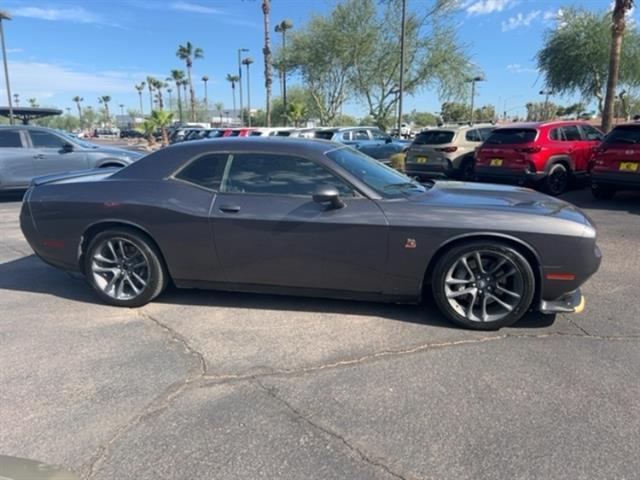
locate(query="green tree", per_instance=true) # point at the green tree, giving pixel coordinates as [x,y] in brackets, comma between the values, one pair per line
[297,112]
[148,129]
[162,119]
[104,100]
[421,119]
[233,79]
[140,88]
[219,106]
[575,55]
[33,102]
[542,111]
[188,52]
[177,76]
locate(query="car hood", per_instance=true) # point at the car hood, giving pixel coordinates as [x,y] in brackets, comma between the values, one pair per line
[502,198]
[118,152]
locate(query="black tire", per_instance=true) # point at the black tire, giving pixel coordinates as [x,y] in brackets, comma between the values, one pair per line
[155,272]
[467,170]
[448,261]
[557,180]
[602,193]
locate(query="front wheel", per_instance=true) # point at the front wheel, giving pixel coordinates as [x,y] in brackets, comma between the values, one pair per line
[124,268]
[483,285]
[557,181]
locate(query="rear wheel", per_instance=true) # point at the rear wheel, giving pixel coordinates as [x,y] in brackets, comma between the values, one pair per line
[557,180]
[483,285]
[124,268]
[467,173]
[602,193]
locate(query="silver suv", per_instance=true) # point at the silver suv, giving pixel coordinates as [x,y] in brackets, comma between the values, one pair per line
[27,152]
[445,152]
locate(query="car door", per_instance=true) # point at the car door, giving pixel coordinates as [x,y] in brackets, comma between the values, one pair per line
[50,154]
[269,231]
[16,163]
[579,149]
[592,137]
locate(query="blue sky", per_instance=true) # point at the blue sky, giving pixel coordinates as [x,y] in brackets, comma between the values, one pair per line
[97,47]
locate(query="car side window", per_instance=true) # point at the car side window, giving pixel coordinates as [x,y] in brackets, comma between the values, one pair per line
[346,136]
[556,134]
[10,139]
[591,134]
[378,135]
[279,175]
[484,133]
[473,136]
[571,133]
[46,140]
[205,171]
[360,135]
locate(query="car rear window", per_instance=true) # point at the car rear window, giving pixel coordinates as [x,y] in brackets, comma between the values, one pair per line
[624,134]
[434,137]
[10,139]
[511,136]
[323,135]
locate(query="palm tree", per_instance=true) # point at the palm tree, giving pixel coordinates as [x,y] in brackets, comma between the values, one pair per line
[105,99]
[266,50]
[205,79]
[148,128]
[150,84]
[296,112]
[177,76]
[282,28]
[140,89]
[219,106]
[33,102]
[619,24]
[78,100]
[162,120]
[233,79]
[169,90]
[188,53]
[158,85]
[246,62]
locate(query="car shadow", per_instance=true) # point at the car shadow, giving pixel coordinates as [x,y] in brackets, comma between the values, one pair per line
[624,201]
[30,274]
[10,197]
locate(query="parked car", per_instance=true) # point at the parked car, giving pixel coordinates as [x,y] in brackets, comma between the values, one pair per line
[548,154]
[238,132]
[369,140]
[27,152]
[272,132]
[446,152]
[616,164]
[130,133]
[305,217]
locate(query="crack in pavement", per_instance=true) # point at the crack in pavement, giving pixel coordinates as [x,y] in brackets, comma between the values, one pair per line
[157,405]
[359,452]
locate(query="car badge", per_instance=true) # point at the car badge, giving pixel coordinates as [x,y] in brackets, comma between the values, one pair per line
[410,243]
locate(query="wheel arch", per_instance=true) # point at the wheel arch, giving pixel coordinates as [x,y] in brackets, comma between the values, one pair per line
[100,226]
[110,162]
[565,160]
[529,253]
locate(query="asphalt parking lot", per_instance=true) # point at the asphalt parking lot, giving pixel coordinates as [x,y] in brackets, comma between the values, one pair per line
[215,385]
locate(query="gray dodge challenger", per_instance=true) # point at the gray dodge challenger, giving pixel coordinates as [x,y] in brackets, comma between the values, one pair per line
[310,217]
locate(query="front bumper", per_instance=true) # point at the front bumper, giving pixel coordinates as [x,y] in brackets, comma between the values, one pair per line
[629,181]
[572,302]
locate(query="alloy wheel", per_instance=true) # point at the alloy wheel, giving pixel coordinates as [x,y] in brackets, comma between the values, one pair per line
[120,269]
[484,286]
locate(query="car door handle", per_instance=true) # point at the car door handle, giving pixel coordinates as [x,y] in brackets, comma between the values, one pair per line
[230,208]
[39,156]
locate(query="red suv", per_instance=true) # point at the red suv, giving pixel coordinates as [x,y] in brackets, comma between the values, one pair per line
[548,153]
[616,164]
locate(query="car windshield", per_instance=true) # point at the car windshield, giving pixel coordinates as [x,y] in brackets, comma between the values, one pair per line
[510,136]
[324,134]
[384,180]
[624,134]
[77,141]
[434,137]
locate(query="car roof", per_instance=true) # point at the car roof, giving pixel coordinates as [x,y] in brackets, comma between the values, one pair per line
[455,128]
[546,124]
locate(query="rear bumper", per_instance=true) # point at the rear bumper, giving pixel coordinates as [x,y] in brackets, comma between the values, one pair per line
[572,302]
[615,179]
[433,170]
[500,175]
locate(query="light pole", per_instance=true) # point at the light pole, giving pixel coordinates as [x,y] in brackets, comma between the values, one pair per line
[546,94]
[282,28]
[248,61]
[240,50]
[473,93]
[205,79]
[16,99]
[401,83]
[5,16]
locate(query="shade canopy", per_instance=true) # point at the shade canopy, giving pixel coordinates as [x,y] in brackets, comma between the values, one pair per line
[27,114]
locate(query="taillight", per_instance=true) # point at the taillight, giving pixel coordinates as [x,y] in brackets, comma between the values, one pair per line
[447,149]
[534,149]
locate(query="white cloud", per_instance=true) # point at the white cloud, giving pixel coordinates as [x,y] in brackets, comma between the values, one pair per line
[14,50]
[518,68]
[70,14]
[45,80]
[520,20]
[484,7]
[551,14]
[195,8]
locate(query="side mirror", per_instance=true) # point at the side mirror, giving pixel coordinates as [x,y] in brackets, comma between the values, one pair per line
[328,194]
[67,148]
